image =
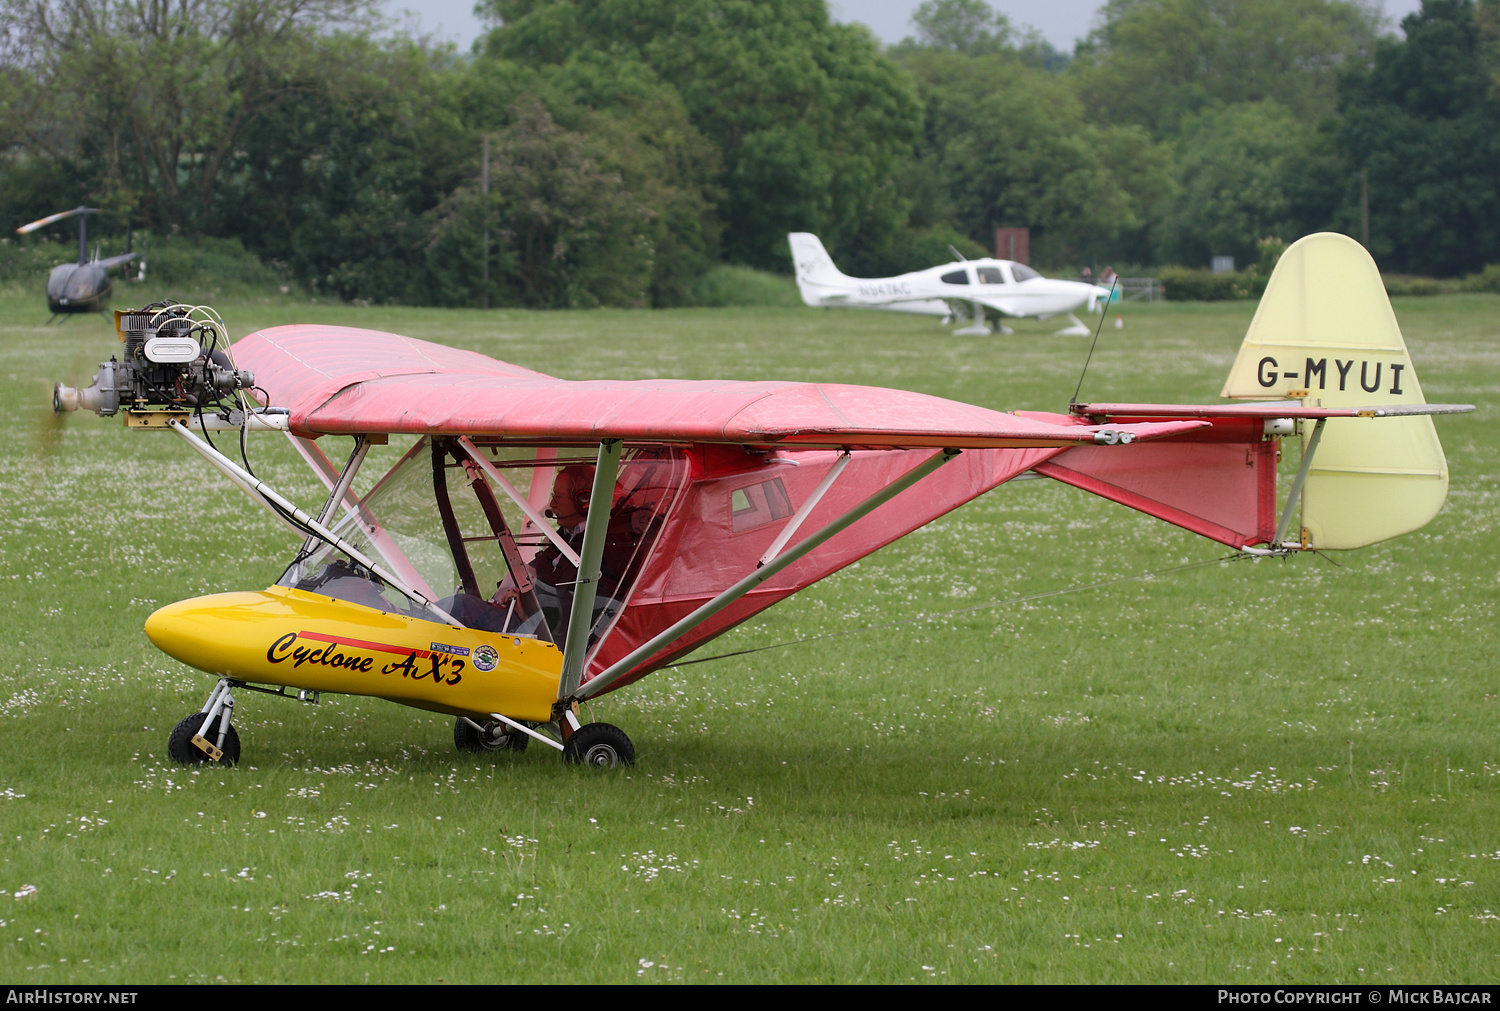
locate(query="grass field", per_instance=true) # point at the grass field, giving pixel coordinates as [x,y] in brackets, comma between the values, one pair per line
[1265,772]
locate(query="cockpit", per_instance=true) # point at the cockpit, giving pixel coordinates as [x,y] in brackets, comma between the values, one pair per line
[464,525]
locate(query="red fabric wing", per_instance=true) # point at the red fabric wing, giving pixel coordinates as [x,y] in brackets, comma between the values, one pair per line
[337,380]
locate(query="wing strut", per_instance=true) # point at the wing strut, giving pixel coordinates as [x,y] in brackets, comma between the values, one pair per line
[341,487]
[615,671]
[357,513]
[595,531]
[807,507]
[1296,492]
[519,573]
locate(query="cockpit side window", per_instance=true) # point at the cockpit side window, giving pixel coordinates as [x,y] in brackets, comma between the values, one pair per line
[990,275]
[758,504]
[956,277]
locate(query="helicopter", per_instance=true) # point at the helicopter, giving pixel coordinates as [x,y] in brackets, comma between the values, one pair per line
[83,286]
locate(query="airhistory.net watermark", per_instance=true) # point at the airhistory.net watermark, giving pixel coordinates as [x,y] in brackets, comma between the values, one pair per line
[68,995]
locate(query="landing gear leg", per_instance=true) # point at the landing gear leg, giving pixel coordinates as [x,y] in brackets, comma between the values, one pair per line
[977,327]
[491,735]
[207,735]
[1076,330]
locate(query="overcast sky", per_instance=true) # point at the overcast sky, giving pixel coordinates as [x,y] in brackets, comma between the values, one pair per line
[1061,21]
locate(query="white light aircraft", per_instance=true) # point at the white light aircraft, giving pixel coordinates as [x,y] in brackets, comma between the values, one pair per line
[1007,287]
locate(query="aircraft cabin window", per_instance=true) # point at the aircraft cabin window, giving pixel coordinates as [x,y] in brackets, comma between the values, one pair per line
[758,505]
[1021,272]
[956,277]
[990,275]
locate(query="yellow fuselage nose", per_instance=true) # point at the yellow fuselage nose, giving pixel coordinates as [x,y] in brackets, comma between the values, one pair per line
[296,639]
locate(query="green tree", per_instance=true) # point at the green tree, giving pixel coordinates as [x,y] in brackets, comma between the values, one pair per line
[338,185]
[1243,173]
[641,131]
[1011,146]
[373,192]
[1424,122]
[154,97]
[812,125]
[568,230]
[1155,62]
[961,26]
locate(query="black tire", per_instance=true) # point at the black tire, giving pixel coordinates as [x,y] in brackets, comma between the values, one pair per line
[181,748]
[600,745]
[497,737]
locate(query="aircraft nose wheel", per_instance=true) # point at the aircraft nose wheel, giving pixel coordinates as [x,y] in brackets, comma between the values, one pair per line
[181,748]
[492,735]
[600,745]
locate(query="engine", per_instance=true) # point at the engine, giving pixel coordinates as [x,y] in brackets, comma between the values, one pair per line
[175,359]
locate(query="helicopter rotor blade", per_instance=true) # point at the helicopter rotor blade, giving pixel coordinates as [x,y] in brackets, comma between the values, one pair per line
[60,216]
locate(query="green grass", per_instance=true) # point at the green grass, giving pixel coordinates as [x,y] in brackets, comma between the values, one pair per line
[1267,772]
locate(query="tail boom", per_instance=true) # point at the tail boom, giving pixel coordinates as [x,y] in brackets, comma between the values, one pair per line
[1323,324]
[1219,482]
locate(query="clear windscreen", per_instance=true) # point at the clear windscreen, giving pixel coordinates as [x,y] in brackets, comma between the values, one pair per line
[407,539]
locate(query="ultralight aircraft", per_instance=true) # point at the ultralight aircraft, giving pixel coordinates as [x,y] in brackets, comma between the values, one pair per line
[1003,286]
[686,507]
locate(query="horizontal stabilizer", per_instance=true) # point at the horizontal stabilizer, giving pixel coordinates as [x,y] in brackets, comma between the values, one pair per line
[1274,409]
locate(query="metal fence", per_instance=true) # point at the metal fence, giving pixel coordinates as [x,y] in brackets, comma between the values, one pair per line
[1140,289]
[1133,289]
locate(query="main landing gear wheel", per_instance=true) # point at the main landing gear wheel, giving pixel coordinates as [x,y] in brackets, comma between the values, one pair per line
[495,736]
[599,744]
[181,748]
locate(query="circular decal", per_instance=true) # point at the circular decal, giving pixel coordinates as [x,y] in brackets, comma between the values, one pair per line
[485,658]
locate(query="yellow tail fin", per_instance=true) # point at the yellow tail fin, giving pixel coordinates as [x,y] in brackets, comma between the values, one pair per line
[1325,334]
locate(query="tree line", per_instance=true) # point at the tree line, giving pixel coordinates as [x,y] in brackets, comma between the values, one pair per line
[635,144]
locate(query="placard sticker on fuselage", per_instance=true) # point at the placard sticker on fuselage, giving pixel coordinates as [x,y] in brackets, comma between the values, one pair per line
[486,658]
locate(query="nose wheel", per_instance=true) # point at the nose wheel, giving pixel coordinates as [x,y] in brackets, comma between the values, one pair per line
[207,735]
